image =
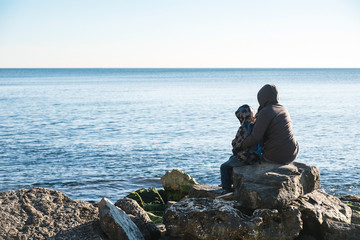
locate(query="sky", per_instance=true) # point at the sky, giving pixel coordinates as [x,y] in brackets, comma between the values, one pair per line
[180,34]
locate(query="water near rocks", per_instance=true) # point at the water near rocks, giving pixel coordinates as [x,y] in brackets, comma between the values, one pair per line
[94,133]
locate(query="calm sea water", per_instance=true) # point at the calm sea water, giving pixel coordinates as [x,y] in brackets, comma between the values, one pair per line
[92,133]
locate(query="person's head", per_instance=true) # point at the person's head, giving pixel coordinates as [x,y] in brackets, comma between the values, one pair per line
[245,114]
[268,95]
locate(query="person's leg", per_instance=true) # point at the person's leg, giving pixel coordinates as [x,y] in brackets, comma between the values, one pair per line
[226,172]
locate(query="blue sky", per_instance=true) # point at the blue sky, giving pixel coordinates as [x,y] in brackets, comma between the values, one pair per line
[197,33]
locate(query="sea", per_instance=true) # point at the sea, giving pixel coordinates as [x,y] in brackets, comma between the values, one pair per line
[94,133]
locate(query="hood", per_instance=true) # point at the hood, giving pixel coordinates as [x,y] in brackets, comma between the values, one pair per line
[268,95]
[245,114]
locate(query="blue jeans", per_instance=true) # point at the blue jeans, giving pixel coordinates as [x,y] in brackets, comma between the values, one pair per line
[226,171]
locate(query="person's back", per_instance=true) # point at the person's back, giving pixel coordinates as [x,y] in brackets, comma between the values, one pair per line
[273,124]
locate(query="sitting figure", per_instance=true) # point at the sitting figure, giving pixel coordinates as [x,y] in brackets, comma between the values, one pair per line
[251,155]
[246,117]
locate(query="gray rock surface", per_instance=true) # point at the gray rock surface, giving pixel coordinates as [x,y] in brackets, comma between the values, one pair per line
[139,216]
[318,206]
[87,231]
[40,213]
[115,223]
[177,184]
[355,218]
[271,185]
[334,230]
[204,191]
[353,201]
[204,218]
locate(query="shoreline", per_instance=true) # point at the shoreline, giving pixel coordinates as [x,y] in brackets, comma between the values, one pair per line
[39,207]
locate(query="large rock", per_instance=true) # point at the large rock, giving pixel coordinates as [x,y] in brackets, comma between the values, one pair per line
[116,223]
[353,201]
[150,200]
[139,217]
[204,191]
[40,213]
[88,231]
[318,206]
[333,230]
[204,218]
[271,185]
[177,184]
[145,196]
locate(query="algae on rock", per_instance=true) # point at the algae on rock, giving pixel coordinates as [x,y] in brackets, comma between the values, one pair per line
[177,184]
[146,196]
[151,201]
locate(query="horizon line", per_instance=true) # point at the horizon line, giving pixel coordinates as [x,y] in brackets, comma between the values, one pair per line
[179,67]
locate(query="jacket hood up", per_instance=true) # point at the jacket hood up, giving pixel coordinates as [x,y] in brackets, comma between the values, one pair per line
[268,95]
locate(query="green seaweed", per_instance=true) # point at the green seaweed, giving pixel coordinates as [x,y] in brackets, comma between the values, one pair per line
[162,193]
[150,196]
[137,198]
[355,206]
[175,195]
[156,219]
[154,207]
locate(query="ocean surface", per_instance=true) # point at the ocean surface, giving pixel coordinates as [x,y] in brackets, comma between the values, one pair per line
[94,133]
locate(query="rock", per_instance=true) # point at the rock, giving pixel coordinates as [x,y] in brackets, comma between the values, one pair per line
[155,218]
[353,202]
[137,198]
[271,185]
[162,193]
[88,231]
[162,229]
[40,213]
[334,230]
[318,206]
[141,218]
[151,201]
[204,191]
[355,218]
[205,218]
[350,198]
[115,223]
[150,196]
[177,184]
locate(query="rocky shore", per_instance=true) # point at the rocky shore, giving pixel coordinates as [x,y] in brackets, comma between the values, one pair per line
[270,201]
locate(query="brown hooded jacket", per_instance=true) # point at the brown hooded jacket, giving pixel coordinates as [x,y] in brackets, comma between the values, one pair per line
[273,125]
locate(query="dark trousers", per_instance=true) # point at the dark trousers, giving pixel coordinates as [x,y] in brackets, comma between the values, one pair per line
[226,171]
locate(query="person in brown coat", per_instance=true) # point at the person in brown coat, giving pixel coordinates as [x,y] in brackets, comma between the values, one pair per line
[273,126]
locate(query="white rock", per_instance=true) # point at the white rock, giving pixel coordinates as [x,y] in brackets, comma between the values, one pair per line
[116,223]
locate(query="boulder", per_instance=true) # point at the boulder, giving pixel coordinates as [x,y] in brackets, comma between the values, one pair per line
[350,198]
[355,218]
[317,206]
[115,223]
[204,191]
[272,185]
[40,213]
[88,231]
[139,217]
[334,230]
[205,218]
[177,184]
[353,201]
[151,201]
[147,196]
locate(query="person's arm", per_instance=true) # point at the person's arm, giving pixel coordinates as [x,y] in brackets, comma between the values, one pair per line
[261,125]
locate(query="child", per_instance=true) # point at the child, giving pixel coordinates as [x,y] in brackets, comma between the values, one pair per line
[246,116]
